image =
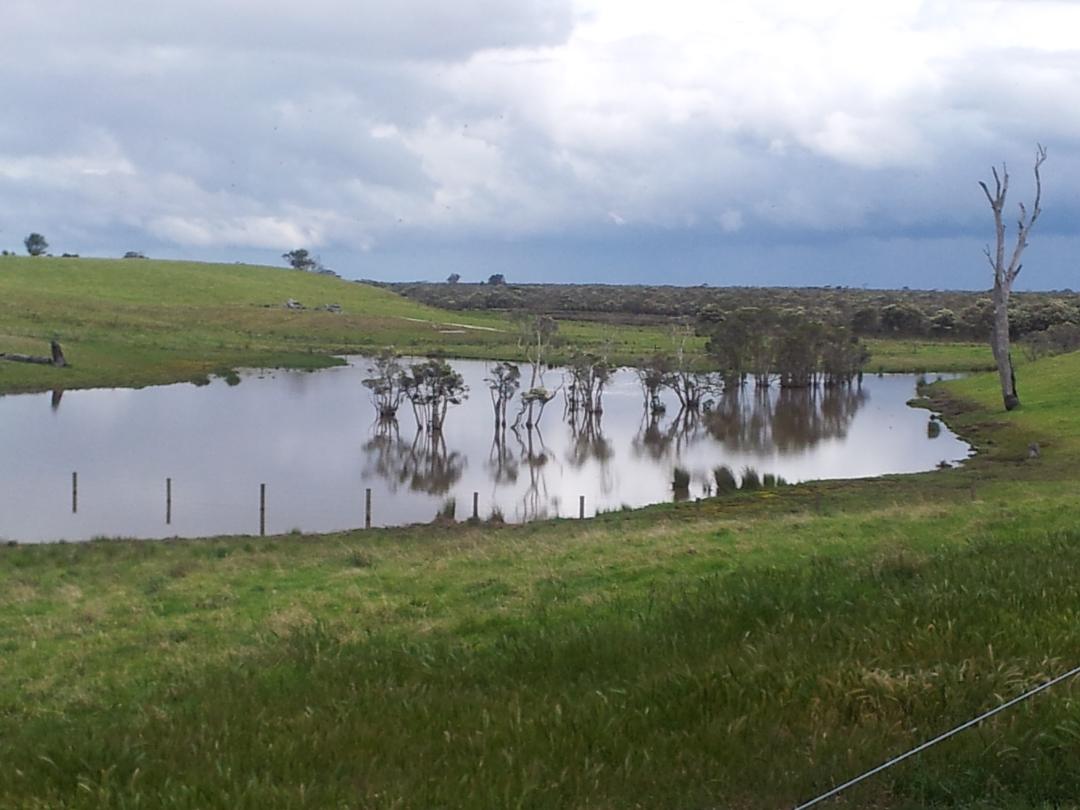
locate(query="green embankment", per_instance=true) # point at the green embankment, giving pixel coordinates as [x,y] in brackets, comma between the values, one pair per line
[140,322]
[746,651]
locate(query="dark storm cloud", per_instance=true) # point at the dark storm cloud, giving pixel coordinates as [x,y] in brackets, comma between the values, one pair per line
[371,132]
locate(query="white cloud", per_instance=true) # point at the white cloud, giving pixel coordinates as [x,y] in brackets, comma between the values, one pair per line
[255,232]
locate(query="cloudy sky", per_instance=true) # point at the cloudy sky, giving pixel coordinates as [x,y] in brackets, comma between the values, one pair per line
[764,142]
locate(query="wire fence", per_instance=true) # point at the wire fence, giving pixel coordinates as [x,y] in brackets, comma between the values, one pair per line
[836,791]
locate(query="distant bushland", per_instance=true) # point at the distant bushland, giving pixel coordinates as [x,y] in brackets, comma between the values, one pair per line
[961,315]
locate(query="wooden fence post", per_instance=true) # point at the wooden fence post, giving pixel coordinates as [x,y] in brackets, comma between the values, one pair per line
[262,510]
[74,493]
[581,507]
[476,505]
[168,501]
[367,508]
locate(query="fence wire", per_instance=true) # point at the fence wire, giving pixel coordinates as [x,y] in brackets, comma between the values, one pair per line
[941,737]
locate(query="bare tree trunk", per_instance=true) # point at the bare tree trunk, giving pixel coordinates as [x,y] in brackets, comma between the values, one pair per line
[1005,273]
[999,344]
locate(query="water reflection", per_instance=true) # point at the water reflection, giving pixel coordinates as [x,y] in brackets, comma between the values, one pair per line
[785,420]
[589,444]
[423,465]
[535,502]
[316,441]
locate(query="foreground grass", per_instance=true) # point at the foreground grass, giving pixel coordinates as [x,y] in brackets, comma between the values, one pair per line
[739,652]
[141,322]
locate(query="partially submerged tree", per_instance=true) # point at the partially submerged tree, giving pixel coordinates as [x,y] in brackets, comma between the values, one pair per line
[1006,267]
[503,383]
[589,375]
[386,383]
[432,387]
[653,374]
[536,334]
[690,387]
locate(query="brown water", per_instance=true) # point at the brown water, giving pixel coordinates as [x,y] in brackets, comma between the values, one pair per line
[313,440]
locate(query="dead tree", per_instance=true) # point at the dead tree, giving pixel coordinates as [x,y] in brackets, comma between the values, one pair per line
[1006,269]
[57,359]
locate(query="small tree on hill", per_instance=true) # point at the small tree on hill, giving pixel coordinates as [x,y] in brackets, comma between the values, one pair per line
[300,259]
[36,244]
[453,278]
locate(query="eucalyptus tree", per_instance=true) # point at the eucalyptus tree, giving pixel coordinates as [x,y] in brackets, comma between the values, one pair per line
[1006,267]
[536,334]
[386,383]
[741,343]
[589,375]
[36,245]
[503,383]
[653,375]
[432,387]
[842,356]
[689,386]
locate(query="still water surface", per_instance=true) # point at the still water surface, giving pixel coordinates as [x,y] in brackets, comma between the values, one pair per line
[312,439]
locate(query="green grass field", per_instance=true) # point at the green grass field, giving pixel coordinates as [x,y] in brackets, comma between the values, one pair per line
[747,651]
[141,322]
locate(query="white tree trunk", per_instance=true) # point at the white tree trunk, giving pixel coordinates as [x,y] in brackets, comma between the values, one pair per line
[1005,274]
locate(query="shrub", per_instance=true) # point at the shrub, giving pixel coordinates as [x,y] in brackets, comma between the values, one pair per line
[725,480]
[750,480]
[447,511]
[680,480]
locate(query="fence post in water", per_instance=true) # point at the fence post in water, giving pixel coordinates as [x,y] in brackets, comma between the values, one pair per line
[581,507]
[262,510]
[476,505]
[168,501]
[367,508]
[74,493]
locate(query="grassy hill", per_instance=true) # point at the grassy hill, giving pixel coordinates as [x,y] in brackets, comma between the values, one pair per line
[137,322]
[747,651]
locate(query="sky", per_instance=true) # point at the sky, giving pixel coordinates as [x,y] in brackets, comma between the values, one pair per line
[766,142]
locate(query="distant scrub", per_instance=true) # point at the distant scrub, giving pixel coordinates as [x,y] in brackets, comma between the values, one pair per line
[868,313]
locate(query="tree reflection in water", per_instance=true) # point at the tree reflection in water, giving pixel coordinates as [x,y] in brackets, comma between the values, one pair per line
[661,442]
[535,502]
[760,420]
[501,463]
[424,465]
[589,443]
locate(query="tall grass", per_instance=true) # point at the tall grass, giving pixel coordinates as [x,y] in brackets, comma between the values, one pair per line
[748,691]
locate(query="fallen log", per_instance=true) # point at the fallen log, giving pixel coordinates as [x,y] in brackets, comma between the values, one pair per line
[57,358]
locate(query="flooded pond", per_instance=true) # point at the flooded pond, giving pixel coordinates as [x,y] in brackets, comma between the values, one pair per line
[313,440]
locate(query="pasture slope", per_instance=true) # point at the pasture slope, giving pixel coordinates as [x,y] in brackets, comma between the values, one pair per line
[134,322]
[746,651]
